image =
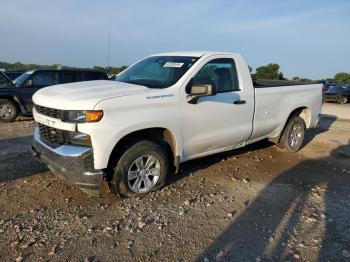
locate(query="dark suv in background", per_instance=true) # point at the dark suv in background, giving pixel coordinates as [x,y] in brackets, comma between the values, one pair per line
[16,95]
[337,93]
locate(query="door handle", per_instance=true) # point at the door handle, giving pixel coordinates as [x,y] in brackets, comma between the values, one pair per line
[239,102]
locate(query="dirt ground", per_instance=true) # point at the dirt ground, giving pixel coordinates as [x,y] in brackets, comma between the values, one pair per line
[335,109]
[253,204]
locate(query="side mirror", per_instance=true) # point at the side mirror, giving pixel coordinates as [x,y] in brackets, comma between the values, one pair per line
[28,83]
[196,91]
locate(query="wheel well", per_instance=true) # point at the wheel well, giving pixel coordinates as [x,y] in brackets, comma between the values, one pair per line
[160,136]
[302,112]
[14,100]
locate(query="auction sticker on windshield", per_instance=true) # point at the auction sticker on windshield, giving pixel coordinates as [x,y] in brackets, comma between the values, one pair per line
[172,64]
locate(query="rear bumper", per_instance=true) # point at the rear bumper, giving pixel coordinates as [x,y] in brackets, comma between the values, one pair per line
[74,164]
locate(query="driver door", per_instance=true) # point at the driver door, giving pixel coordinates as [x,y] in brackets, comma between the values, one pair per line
[218,122]
[38,80]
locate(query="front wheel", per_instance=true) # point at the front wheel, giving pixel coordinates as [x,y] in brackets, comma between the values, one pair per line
[343,100]
[8,110]
[293,135]
[142,168]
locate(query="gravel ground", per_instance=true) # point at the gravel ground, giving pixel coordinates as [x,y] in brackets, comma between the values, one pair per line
[252,204]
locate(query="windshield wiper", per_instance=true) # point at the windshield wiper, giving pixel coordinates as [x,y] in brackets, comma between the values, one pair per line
[130,82]
[143,84]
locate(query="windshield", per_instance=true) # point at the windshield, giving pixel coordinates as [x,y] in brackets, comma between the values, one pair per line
[22,78]
[157,71]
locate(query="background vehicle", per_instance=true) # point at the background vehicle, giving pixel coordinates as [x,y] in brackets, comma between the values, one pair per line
[12,75]
[337,93]
[164,110]
[16,95]
[328,85]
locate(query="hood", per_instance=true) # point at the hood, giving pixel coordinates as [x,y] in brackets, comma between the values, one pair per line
[84,95]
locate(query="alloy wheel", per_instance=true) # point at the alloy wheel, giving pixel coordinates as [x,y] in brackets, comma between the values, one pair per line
[144,174]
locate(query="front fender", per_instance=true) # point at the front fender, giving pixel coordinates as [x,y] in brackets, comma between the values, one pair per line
[128,114]
[104,138]
[10,95]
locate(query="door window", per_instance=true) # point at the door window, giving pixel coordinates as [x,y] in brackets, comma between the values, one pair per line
[45,78]
[71,76]
[221,72]
[95,76]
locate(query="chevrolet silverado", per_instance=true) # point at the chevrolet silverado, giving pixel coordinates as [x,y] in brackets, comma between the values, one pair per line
[162,111]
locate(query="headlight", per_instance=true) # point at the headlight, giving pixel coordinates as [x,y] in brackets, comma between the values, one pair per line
[82,116]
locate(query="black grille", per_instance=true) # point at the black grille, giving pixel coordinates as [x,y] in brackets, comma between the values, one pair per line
[55,113]
[51,136]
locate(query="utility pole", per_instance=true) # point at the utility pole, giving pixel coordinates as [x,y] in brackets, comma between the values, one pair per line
[109,49]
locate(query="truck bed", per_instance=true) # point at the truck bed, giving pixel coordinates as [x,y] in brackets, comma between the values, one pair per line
[273,104]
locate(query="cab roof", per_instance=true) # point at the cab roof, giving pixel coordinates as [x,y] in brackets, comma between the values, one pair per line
[192,53]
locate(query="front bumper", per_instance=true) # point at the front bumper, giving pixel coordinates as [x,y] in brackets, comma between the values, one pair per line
[330,98]
[75,164]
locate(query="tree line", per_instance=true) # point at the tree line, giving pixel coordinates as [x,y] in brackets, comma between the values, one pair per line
[265,72]
[26,67]
[272,72]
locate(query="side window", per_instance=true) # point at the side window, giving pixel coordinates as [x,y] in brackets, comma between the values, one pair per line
[221,72]
[54,78]
[41,78]
[45,78]
[94,76]
[71,76]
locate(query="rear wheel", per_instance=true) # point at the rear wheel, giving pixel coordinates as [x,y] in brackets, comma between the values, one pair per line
[142,168]
[293,135]
[8,110]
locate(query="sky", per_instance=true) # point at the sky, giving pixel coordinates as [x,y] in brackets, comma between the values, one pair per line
[307,38]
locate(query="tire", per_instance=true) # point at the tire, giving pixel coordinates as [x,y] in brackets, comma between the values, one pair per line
[8,110]
[293,135]
[131,177]
[343,100]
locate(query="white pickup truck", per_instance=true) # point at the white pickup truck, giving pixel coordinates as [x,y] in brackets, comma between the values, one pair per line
[164,110]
